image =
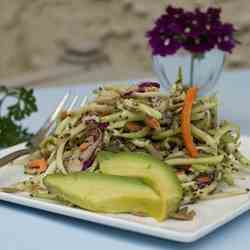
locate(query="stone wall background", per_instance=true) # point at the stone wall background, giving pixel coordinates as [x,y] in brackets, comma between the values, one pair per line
[34,33]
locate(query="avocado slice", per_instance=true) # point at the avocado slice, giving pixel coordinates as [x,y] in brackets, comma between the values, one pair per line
[105,193]
[153,172]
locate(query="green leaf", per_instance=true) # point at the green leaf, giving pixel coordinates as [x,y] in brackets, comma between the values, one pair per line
[24,106]
[11,131]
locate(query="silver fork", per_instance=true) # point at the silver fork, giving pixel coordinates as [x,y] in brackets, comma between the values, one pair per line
[44,130]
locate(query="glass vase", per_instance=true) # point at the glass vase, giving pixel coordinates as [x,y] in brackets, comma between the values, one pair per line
[201,70]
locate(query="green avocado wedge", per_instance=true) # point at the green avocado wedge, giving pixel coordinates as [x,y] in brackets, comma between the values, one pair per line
[155,173]
[105,193]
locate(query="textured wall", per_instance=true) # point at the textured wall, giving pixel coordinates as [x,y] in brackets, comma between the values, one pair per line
[34,33]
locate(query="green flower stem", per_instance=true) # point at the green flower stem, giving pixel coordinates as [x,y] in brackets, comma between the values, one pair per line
[192,70]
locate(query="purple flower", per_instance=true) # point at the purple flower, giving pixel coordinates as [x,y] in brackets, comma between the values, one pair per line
[174,12]
[194,24]
[164,43]
[213,13]
[200,44]
[225,39]
[196,31]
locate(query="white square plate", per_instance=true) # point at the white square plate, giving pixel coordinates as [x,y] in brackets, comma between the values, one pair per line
[209,214]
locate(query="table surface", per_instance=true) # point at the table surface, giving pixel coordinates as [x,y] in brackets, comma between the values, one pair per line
[25,228]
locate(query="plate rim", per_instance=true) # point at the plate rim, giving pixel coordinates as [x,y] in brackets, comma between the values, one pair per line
[116,222]
[103,219]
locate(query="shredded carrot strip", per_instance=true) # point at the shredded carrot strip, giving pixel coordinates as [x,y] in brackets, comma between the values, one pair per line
[186,121]
[133,127]
[151,122]
[203,179]
[40,165]
[63,115]
[180,172]
[104,113]
[84,146]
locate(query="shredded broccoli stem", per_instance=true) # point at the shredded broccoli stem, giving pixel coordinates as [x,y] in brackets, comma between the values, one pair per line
[203,168]
[10,190]
[94,107]
[44,195]
[215,112]
[189,184]
[164,134]
[227,138]
[62,125]
[206,191]
[175,106]
[52,157]
[243,159]
[148,146]
[75,131]
[149,111]
[208,119]
[203,107]
[148,94]
[190,161]
[119,124]
[223,130]
[218,143]
[118,88]
[228,177]
[207,150]
[59,157]
[48,140]
[203,136]
[113,117]
[134,135]
[198,116]
[140,142]
[51,168]
[222,195]
[177,154]
[123,115]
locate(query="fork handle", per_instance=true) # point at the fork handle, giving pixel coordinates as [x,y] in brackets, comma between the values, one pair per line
[14,155]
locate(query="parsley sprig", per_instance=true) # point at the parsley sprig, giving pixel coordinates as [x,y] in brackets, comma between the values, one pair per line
[15,105]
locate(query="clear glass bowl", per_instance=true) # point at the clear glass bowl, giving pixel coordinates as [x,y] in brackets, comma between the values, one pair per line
[206,69]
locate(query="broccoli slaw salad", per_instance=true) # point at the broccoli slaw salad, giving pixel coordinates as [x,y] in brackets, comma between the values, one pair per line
[177,127]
